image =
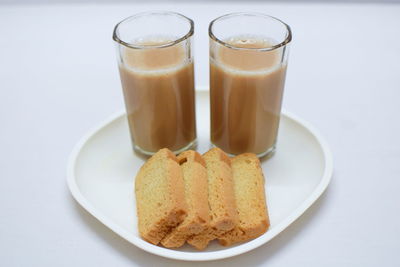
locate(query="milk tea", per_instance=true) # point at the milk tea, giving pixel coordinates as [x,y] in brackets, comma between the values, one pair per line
[158,86]
[246,87]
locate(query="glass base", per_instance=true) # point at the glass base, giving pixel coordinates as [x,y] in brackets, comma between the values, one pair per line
[267,154]
[262,156]
[142,152]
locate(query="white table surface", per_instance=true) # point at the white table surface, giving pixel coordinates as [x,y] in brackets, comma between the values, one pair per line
[58,78]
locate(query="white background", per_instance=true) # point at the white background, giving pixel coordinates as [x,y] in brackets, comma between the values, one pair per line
[58,78]
[227,2]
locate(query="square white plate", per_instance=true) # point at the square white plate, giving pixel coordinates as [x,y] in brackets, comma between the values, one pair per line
[102,168]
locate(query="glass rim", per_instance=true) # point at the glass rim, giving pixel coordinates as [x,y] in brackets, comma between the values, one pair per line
[286,41]
[116,36]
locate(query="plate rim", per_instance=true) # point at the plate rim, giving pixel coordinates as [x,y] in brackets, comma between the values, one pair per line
[199,256]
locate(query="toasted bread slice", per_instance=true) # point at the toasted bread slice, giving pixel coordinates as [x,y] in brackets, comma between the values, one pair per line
[160,196]
[196,192]
[250,200]
[221,200]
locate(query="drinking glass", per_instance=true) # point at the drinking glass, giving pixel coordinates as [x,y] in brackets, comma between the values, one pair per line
[155,59]
[248,61]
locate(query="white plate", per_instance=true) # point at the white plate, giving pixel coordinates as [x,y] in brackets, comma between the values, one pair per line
[102,168]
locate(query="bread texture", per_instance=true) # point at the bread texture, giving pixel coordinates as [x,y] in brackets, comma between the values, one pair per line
[223,214]
[196,193]
[250,200]
[160,196]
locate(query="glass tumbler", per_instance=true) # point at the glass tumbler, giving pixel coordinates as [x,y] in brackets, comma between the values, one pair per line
[248,61]
[155,60]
